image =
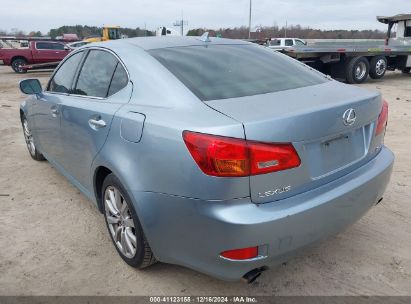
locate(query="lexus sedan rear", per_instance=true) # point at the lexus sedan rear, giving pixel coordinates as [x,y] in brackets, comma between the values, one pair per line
[214,154]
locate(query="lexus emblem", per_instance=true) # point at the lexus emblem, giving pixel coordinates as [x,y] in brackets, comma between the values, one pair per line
[349,117]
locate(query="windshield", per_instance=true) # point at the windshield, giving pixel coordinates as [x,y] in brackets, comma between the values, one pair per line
[226,71]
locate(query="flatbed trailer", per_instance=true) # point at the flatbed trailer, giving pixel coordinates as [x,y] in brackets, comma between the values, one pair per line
[354,63]
[40,66]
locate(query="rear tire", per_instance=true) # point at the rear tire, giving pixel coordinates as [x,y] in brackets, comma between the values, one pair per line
[357,69]
[378,67]
[124,226]
[17,64]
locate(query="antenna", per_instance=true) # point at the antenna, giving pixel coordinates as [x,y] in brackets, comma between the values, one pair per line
[204,37]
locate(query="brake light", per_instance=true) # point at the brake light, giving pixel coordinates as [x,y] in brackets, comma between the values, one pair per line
[267,158]
[225,156]
[241,254]
[382,119]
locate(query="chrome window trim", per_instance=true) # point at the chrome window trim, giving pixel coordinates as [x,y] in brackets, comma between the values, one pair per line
[87,49]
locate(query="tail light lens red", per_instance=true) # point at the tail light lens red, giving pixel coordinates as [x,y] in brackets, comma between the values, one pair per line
[225,156]
[382,119]
[241,254]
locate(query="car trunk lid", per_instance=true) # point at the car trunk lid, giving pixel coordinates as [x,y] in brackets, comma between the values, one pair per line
[311,118]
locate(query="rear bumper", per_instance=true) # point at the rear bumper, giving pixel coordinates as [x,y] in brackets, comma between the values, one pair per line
[192,232]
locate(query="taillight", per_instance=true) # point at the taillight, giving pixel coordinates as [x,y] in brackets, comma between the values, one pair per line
[382,119]
[241,254]
[267,158]
[225,156]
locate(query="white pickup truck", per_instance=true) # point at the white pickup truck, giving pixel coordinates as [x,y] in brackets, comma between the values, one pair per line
[284,43]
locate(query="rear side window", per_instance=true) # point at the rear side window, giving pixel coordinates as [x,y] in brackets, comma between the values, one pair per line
[227,71]
[45,46]
[63,79]
[119,80]
[275,42]
[96,74]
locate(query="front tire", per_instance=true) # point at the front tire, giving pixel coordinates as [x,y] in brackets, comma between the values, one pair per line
[124,226]
[406,70]
[378,67]
[357,69]
[31,145]
[17,65]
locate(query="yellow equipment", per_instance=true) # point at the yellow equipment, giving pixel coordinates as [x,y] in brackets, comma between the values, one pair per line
[109,33]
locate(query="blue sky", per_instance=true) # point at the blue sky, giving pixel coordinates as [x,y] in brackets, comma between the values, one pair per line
[324,14]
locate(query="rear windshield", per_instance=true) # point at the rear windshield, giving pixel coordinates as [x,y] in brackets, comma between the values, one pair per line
[226,71]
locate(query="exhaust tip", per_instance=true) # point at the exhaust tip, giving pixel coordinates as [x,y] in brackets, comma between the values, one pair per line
[252,275]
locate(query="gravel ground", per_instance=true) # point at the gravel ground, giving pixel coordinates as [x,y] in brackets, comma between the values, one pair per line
[54,242]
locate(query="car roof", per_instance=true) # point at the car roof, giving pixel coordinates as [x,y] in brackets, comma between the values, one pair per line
[154,42]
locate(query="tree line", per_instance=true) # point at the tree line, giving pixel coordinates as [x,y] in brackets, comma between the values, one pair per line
[262,32]
[296,31]
[82,31]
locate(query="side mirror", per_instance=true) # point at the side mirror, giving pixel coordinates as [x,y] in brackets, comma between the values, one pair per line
[67,48]
[30,86]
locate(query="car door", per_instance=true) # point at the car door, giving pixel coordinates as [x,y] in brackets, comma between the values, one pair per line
[47,108]
[48,52]
[102,87]
[289,43]
[43,52]
[60,51]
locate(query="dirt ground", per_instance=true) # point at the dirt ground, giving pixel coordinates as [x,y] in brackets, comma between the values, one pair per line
[54,242]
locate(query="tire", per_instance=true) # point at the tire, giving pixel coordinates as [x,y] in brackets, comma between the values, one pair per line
[357,70]
[378,67]
[16,65]
[122,218]
[30,143]
[406,70]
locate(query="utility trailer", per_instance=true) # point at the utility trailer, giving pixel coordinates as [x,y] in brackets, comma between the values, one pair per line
[354,63]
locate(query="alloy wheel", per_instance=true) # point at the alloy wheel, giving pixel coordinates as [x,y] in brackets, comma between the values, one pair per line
[380,67]
[120,222]
[29,138]
[360,70]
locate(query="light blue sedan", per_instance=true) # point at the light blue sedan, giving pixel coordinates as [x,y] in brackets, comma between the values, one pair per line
[214,154]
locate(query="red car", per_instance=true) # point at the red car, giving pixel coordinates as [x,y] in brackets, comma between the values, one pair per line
[39,54]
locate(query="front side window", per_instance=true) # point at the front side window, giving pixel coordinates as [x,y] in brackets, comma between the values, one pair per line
[63,79]
[58,46]
[96,74]
[288,42]
[227,71]
[299,42]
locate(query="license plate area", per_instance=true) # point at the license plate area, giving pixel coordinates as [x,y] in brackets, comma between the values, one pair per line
[336,153]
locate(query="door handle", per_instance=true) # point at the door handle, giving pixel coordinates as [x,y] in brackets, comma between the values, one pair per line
[97,123]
